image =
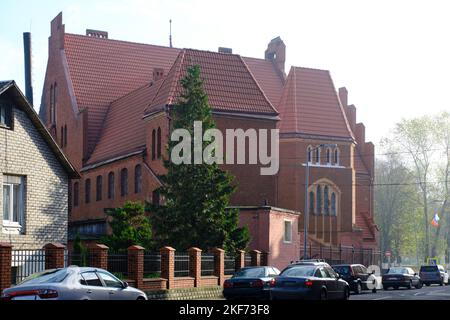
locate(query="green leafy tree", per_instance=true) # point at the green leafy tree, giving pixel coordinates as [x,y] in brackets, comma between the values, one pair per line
[196,196]
[130,226]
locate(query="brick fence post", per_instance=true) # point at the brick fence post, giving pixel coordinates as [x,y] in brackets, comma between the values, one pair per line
[240,260]
[54,255]
[256,258]
[195,265]
[5,265]
[219,264]
[265,258]
[168,265]
[136,265]
[98,255]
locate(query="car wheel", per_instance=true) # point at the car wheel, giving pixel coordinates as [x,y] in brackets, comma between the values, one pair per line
[410,285]
[140,298]
[346,294]
[358,288]
[442,282]
[419,285]
[428,284]
[323,294]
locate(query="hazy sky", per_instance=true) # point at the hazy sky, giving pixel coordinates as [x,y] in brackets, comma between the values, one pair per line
[393,56]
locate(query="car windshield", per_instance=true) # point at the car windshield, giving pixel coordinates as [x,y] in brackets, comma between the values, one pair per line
[303,271]
[48,276]
[428,269]
[250,273]
[342,270]
[397,271]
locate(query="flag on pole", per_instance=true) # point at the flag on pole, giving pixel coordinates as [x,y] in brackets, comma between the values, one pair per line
[435,221]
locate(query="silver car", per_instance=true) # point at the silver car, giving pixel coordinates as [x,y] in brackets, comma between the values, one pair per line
[73,283]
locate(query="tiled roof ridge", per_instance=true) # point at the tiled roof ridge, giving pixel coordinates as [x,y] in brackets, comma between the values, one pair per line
[257,84]
[177,75]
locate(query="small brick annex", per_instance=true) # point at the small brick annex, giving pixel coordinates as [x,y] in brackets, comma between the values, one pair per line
[112,119]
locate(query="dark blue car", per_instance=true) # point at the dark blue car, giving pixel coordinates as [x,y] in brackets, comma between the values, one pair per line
[250,283]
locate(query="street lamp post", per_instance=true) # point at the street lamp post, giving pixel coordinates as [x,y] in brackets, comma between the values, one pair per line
[306,213]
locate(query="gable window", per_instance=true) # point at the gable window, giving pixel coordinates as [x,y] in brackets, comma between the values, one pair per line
[319,200]
[287,231]
[99,188]
[326,201]
[5,114]
[138,179]
[87,191]
[13,202]
[124,182]
[76,191]
[159,143]
[111,189]
[153,144]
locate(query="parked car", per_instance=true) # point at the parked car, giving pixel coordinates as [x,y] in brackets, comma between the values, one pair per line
[433,274]
[250,283]
[397,277]
[311,281]
[357,277]
[73,283]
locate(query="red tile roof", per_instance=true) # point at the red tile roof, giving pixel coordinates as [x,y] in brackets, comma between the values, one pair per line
[227,80]
[124,130]
[310,105]
[102,70]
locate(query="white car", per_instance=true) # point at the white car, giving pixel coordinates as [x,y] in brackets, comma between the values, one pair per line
[73,283]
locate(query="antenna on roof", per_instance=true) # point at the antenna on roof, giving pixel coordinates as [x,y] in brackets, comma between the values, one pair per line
[170,35]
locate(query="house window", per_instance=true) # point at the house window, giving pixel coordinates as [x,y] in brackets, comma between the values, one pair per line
[87,191]
[336,156]
[76,190]
[138,179]
[13,202]
[153,144]
[326,201]
[317,155]
[5,114]
[124,182]
[287,231]
[328,156]
[159,143]
[311,202]
[333,204]
[309,153]
[99,188]
[319,200]
[111,189]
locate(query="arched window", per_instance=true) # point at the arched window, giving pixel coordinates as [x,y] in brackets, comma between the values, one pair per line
[336,156]
[76,192]
[137,179]
[326,201]
[328,156]
[111,189]
[99,188]
[153,144]
[311,202]
[309,153]
[319,200]
[333,204]
[87,191]
[317,155]
[159,143]
[124,182]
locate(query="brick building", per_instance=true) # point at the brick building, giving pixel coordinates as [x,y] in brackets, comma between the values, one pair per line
[107,103]
[34,174]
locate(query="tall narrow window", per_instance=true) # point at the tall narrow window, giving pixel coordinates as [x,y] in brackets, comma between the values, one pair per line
[333,204]
[87,191]
[317,155]
[13,201]
[5,114]
[153,144]
[326,201]
[328,156]
[287,231]
[311,202]
[76,192]
[99,188]
[336,156]
[111,189]
[138,178]
[319,200]
[159,143]
[124,182]
[309,153]
[65,135]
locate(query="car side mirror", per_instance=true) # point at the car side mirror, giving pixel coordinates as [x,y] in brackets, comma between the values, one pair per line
[338,276]
[125,284]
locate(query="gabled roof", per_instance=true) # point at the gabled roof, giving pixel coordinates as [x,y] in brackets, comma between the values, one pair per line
[227,80]
[103,70]
[309,105]
[124,129]
[10,88]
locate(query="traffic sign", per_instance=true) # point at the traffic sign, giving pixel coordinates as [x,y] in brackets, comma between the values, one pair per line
[387,253]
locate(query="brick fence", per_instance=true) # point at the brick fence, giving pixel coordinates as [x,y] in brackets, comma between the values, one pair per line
[56,257]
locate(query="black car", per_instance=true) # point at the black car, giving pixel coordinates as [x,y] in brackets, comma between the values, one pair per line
[250,283]
[357,277]
[397,277]
[309,281]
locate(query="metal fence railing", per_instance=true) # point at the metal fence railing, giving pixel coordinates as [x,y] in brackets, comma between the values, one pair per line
[118,264]
[152,264]
[181,264]
[25,263]
[207,265]
[230,264]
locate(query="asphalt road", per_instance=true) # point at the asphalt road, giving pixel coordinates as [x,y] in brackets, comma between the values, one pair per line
[434,292]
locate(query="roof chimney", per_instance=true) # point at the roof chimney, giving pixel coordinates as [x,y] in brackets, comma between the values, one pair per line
[225,50]
[276,52]
[27,58]
[158,73]
[97,34]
